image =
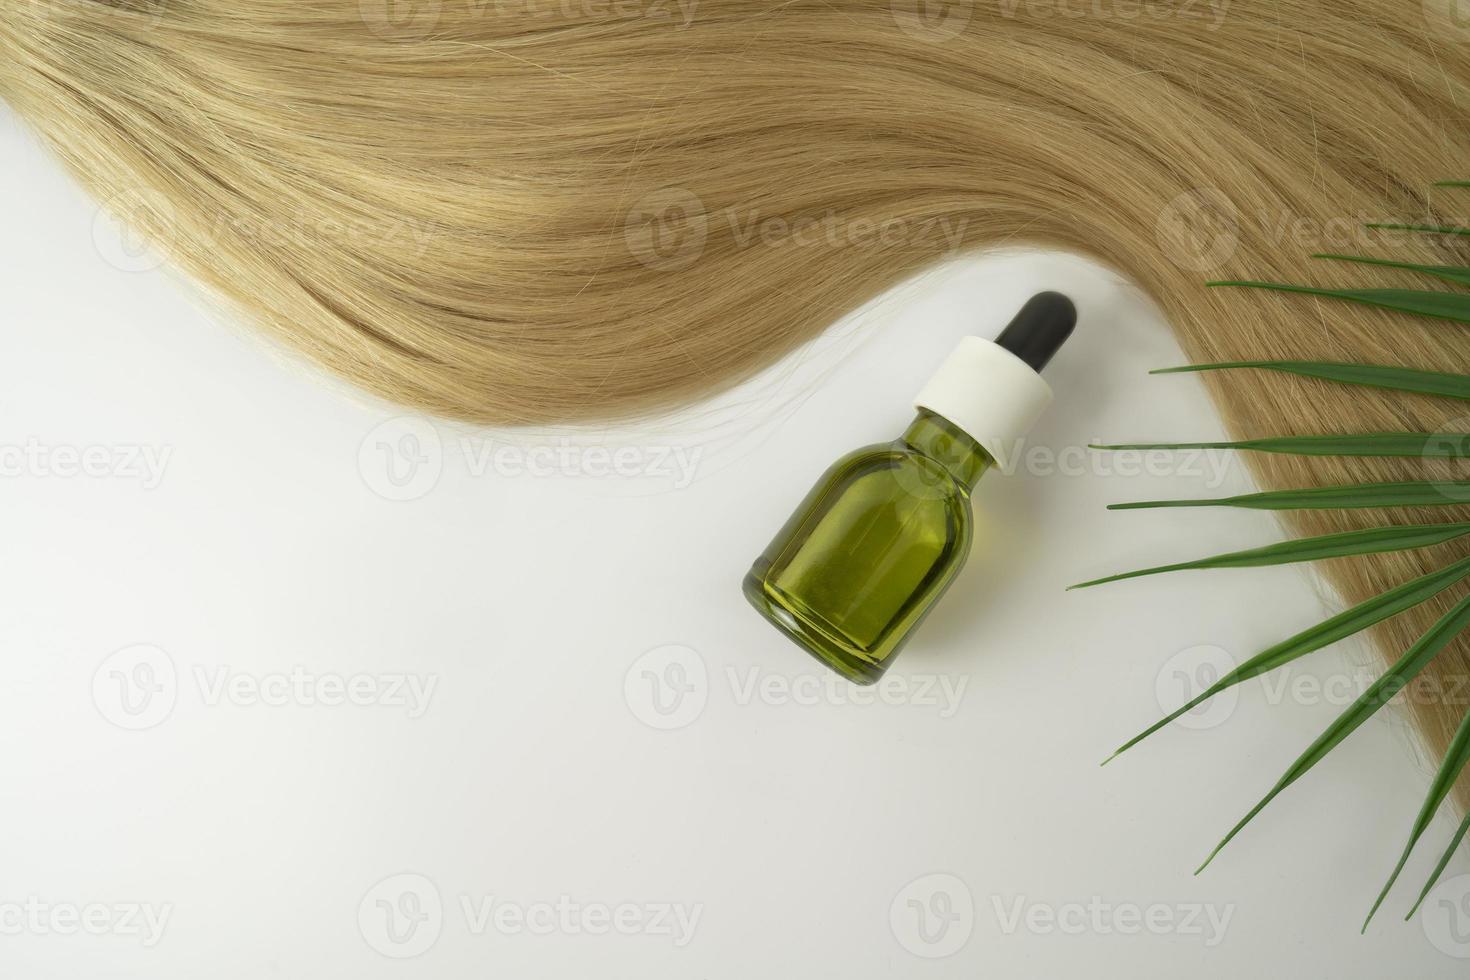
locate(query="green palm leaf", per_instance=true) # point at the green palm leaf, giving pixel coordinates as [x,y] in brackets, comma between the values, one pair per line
[1450,273]
[1425,649]
[1454,761]
[1450,445]
[1340,545]
[1443,303]
[1421,302]
[1431,229]
[1444,862]
[1372,375]
[1422,493]
[1325,633]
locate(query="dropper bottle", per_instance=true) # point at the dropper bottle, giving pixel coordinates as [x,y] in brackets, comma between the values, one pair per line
[887,528]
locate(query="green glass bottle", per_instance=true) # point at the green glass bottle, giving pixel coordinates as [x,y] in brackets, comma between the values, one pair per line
[887,528]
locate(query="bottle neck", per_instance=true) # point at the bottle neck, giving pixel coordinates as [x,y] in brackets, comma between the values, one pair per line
[948,445]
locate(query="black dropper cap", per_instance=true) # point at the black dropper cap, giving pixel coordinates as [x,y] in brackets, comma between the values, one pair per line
[1039,329]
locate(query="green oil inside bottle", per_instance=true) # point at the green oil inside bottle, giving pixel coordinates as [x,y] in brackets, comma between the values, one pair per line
[873,546]
[887,528]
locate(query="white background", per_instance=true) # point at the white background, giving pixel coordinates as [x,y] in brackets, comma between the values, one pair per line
[547,766]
